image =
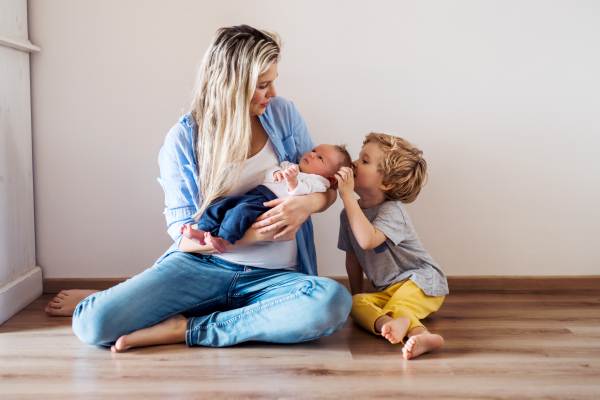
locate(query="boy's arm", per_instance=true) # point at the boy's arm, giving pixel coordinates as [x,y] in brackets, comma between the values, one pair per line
[367,236]
[355,274]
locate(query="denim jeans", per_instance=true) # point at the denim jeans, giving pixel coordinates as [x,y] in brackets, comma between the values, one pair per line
[225,303]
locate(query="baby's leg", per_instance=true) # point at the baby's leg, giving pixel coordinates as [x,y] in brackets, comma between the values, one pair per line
[217,243]
[195,235]
[421,341]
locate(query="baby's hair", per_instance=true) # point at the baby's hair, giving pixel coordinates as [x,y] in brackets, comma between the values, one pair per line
[402,165]
[345,162]
[346,158]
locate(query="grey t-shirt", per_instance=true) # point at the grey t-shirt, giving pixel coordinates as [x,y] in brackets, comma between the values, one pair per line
[401,257]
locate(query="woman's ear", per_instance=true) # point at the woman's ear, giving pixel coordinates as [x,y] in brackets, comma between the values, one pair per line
[332,180]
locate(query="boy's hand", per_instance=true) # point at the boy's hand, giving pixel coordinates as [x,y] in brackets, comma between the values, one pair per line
[345,178]
[291,172]
[278,176]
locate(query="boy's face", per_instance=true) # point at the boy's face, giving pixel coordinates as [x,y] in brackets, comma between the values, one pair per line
[322,160]
[367,177]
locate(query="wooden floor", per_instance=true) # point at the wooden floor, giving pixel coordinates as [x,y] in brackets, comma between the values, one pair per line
[497,346]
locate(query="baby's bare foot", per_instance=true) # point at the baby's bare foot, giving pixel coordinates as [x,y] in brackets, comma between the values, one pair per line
[217,243]
[172,330]
[195,235]
[63,305]
[422,343]
[395,329]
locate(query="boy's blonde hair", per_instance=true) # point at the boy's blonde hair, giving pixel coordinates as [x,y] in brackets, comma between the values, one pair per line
[402,165]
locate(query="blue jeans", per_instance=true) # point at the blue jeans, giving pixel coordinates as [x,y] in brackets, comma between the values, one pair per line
[225,303]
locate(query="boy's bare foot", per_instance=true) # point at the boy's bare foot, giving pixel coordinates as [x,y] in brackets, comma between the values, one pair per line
[395,329]
[171,330]
[217,243]
[195,235]
[63,305]
[421,343]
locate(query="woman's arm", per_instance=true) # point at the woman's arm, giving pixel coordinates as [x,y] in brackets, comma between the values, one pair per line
[250,237]
[289,213]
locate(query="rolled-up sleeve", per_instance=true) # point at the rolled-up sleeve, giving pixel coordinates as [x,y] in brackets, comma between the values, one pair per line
[179,201]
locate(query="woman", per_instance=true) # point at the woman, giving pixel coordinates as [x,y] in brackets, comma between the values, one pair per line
[265,288]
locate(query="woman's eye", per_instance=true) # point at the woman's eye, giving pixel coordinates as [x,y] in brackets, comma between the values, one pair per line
[262,87]
[364,162]
[320,158]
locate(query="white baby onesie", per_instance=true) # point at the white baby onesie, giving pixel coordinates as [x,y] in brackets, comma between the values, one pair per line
[307,183]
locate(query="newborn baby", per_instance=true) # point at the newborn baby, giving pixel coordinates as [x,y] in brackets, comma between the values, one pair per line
[227,219]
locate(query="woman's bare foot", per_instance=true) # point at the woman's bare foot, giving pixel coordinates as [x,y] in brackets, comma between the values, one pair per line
[171,330]
[421,343]
[63,305]
[394,329]
[217,243]
[195,235]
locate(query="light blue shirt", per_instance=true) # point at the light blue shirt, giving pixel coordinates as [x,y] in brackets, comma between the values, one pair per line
[179,177]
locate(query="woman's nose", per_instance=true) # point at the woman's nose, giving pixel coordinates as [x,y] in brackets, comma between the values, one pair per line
[354,164]
[272,92]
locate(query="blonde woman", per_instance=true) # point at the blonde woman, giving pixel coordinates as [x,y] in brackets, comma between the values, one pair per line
[265,287]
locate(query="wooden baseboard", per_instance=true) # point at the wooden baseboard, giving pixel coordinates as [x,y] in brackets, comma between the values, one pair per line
[511,284]
[507,284]
[55,285]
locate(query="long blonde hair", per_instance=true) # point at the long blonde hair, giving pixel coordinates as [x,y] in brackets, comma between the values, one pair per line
[225,84]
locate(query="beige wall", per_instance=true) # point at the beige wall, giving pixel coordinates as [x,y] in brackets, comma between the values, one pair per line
[503,98]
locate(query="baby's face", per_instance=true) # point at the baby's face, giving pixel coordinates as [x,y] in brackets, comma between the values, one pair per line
[322,160]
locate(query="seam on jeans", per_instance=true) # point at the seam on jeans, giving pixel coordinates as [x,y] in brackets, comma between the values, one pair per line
[184,310]
[233,283]
[205,327]
[314,284]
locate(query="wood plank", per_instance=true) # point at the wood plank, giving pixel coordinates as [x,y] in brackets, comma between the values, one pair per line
[499,346]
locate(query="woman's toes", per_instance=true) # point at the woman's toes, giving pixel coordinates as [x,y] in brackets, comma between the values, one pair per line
[120,345]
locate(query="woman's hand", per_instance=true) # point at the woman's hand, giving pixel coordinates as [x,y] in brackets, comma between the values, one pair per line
[289,213]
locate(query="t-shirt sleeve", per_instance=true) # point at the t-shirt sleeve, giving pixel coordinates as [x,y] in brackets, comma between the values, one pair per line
[344,242]
[390,221]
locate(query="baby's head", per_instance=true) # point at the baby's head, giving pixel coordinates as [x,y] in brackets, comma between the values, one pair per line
[325,160]
[392,165]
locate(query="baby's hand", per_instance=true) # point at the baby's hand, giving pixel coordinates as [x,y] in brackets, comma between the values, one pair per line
[278,176]
[291,172]
[345,178]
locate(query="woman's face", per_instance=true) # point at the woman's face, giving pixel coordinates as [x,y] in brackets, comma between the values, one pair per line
[265,89]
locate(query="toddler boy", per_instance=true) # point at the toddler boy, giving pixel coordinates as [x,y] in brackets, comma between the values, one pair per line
[379,240]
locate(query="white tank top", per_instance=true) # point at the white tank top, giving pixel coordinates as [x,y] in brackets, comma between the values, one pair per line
[271,255]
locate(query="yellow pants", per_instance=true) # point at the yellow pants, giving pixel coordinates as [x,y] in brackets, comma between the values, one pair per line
[404,299]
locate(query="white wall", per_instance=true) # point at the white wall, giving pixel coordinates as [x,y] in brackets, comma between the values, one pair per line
[503,98]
